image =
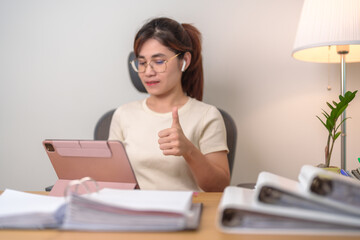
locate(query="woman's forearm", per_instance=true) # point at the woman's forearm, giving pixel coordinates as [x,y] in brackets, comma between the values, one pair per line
[211,171]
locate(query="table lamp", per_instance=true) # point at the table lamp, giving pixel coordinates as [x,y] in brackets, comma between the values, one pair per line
[329,32]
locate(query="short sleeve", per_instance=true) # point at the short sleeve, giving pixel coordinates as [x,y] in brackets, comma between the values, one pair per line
[213,132]
[115,132]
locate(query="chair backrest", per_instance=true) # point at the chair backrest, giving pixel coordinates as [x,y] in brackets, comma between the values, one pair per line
[103,125]
[231,137]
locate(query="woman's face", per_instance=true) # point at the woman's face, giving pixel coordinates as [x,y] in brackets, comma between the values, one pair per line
[164,83]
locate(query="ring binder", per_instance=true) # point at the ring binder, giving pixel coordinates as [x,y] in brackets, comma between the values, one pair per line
[337,190]
[322,186]
[270,195]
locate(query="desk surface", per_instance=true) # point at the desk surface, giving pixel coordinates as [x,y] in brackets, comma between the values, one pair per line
[207,230]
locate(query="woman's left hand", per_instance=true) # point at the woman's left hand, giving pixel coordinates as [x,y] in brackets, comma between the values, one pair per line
[172,141]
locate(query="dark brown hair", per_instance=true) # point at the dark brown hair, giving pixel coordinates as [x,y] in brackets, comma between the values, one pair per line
[179,38]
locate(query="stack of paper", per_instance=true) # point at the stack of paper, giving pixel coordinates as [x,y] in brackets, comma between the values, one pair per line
[131,210]
[320,202]
[31,211]
[106,210]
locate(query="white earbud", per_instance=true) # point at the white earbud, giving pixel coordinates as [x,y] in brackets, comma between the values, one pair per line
[183,66]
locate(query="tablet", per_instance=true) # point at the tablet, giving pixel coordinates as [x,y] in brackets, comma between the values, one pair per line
[104,161]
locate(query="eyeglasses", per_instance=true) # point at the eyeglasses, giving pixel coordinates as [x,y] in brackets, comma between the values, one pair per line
[158,65]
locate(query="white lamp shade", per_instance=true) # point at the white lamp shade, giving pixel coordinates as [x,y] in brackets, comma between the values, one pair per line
[324,25]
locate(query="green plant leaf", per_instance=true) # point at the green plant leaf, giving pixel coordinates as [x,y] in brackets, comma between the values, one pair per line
[337,135]
[340,111]
[341,123]
[330,123]
[330,106]
[325,113]
[329,129]
[350,95]
[326,116]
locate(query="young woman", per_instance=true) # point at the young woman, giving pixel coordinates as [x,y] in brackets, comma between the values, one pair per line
[173,140]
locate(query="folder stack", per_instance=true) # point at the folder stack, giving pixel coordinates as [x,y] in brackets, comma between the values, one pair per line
[320,201]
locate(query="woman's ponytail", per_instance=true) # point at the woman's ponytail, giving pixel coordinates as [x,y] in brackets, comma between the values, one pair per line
[193,78]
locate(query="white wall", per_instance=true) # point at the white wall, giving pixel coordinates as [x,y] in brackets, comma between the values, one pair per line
[64,63]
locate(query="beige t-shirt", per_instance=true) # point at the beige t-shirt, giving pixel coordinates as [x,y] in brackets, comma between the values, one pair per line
[137,127]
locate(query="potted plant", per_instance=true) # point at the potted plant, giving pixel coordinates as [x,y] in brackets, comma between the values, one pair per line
[331,125]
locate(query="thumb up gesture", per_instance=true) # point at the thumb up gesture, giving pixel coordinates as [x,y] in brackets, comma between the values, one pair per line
[172,141]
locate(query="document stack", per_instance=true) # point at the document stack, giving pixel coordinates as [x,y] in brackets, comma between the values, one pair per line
[320,202]
[105,210]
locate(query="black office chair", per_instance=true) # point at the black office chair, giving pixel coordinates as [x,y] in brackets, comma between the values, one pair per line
[103,125]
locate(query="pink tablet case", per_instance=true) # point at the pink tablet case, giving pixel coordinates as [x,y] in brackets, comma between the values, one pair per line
[104,161]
